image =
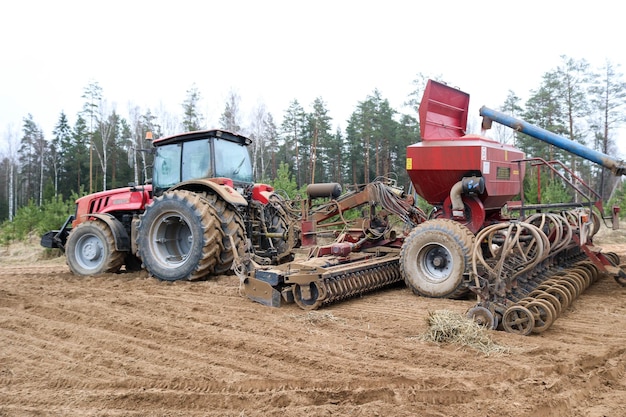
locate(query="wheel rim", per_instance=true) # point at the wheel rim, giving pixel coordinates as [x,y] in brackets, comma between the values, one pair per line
[483,317]
[171,239]
[90,251]
[436,262]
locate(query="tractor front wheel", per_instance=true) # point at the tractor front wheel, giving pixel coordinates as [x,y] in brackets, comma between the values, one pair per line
[90,249]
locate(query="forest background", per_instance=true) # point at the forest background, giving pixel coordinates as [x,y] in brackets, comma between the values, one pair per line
[99,149]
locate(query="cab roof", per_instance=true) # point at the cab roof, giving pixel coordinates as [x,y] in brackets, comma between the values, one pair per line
[201,134]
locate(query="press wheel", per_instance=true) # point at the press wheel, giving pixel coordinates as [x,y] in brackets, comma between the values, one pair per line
[572,288]
[561,293]
[543,315]
[518,320]
[542,295]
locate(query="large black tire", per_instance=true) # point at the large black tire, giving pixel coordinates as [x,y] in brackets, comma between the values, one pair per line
[232,227]
[90,249]
[273,218]
[434,258]
[278,222]
[179,237]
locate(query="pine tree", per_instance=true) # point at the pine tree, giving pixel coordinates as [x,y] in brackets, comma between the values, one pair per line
[31,154]
[271,147]
[371,134]
[407,133]
[335,149]
[319,133]
[192,118]
[545,109]
[293,130]
[79,153]
[574,80]
[230,118]
[59,160]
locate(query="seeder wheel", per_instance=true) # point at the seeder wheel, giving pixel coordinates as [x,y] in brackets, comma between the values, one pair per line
[570,286]
[435,258]
[591,268]
[577,280]
[483,317]
[518,320]
[586,277]
[542,314]
[542,295]
[613,257]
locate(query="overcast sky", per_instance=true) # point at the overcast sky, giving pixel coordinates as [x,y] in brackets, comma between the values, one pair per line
[149,53]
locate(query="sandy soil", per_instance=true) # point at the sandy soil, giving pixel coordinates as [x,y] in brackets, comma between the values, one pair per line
[126,345]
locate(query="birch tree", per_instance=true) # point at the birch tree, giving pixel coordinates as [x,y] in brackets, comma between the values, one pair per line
[262,132]
[10,170]
[91,112]
[608,100]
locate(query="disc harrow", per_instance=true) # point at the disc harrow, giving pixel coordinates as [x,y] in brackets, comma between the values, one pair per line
[527,273]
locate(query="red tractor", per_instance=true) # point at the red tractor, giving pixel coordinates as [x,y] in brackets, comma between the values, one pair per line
[200,211]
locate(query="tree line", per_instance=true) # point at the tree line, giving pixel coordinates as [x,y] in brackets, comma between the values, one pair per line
[103,150]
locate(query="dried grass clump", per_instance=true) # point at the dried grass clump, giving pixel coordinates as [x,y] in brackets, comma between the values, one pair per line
[448,327]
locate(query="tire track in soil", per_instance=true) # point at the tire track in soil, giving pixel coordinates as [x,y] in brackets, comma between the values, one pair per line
[130,345]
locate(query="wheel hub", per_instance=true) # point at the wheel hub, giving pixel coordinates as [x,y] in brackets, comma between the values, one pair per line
[90,251]
[439,261]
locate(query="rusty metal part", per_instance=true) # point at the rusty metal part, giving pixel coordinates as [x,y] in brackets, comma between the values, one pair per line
[483,317]
[542,315]
[556,304]
[316,282]
[518,320]
[542,266]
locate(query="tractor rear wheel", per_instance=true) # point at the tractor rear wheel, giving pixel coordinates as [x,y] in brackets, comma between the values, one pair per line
[90,249]
[277,222]
[434,258]
[232,227]
[179,237]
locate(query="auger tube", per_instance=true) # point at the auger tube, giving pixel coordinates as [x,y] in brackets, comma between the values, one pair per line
[616,166]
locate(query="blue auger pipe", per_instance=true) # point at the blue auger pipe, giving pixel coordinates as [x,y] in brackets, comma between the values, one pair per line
[616,166]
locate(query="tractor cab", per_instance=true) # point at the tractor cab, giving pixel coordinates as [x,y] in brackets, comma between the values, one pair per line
[201,154]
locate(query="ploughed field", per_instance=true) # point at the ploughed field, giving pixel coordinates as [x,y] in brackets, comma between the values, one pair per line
[129,345]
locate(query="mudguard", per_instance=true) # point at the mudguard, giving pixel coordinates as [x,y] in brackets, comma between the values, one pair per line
[226,192]
[122,240]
